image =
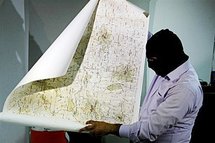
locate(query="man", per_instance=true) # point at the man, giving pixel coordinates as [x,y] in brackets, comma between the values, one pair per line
[172,103]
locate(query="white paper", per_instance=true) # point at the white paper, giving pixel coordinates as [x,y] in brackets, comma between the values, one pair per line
[93,70]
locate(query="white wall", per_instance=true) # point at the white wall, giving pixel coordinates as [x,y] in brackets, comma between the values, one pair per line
[13,61]
[47,20]
[194,22]
[143,4]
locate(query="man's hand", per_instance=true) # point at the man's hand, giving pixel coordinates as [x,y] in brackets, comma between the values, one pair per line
[100,128]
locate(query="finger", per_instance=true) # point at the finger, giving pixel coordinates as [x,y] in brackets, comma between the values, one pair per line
[90,122]
[87,128]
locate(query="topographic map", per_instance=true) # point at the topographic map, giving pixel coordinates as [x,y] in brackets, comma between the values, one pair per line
[104,77]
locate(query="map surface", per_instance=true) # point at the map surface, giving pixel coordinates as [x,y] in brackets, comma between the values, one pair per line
[104,77]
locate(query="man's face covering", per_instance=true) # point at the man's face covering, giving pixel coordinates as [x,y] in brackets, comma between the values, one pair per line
[164,52]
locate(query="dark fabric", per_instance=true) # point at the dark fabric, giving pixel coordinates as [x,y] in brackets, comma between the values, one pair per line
[83,138]
[168,49]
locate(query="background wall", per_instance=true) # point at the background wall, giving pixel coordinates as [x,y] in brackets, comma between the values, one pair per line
[47,20]
[13,61]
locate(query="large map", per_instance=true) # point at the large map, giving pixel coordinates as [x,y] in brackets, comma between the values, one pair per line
[104,77]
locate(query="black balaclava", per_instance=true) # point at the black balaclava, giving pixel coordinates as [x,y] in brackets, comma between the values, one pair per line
[166,51]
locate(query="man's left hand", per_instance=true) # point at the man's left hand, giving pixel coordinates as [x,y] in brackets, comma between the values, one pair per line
[100,128]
